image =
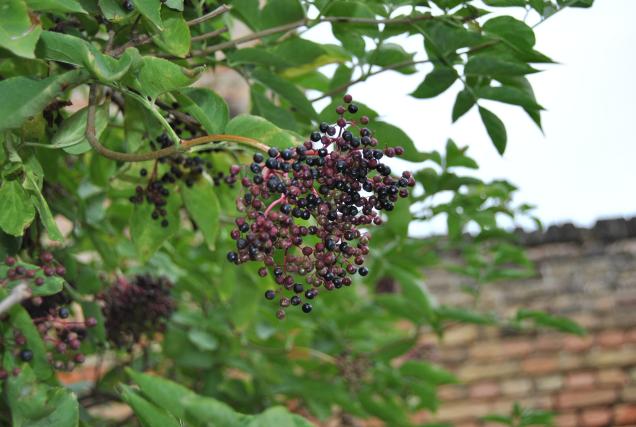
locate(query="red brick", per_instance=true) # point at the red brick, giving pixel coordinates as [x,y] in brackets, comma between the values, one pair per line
[611,377]
[573,343]
[540,365]
[484,390]
[579,399]
[630,336]
[517,348]
[580,380]
[568,419]
[611,338]
[596,417]
[451,392]
[549,343]
[624,415]
[629,394]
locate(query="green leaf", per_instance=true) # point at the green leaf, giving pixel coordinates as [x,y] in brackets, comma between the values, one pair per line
[505,3]
[256,55]
[151,10]
[145,79]
[276,416]
[509,95]
[175,37]
[66,48]
[113,10]
[287,90]
[71,135]
[463,103]
[262,106]
[203,206]
[427,372]
[442,39]
[512,31]
[555,322]
[23,97]
[93,309]
[303,56]
[149,414]
[279,12]
[17,33]
[16,209]
[21,320]
[390,54]
[52,285]
[436,82]
[208,108]
[203,340]
[247,11]
[260,129]
[174,4]
[148,235]
[341,76]
[495,128]
[33,185]
[455,156]
[205,410]
[390,135]
[62,6]
[35,404]
[486,65]
[163,393]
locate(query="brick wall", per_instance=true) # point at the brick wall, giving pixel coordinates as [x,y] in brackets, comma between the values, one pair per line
[588,275]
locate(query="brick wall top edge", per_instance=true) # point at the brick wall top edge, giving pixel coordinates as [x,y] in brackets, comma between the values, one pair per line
[603,231]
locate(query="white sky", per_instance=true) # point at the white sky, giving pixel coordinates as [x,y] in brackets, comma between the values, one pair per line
[584,168]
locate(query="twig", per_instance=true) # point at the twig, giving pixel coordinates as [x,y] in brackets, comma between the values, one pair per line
[184,145]
[308,22]
[216,12]
[209,35]
[17,295]
[364,77]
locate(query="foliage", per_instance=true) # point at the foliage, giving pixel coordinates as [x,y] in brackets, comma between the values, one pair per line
[229,361]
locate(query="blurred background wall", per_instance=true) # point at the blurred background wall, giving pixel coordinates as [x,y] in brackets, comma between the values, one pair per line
[590,381]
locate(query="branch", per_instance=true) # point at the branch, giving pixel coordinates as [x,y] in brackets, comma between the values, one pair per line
[216,12]
[209,35]
[164,152]
[308,22]
[17,295]
[364,77]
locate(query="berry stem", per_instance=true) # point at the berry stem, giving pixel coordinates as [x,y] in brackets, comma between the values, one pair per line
[278,201]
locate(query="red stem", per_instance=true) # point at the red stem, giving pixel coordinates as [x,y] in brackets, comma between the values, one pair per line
[278,201]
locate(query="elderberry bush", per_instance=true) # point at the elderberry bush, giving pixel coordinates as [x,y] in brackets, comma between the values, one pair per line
[136,308]
[307,208]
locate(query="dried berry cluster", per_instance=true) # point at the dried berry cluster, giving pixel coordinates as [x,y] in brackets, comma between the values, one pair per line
[306,209]
[62,335]
[136,309]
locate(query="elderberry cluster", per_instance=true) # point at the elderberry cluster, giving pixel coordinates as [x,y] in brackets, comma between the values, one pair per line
[307,208]
[51,315]
[136,309]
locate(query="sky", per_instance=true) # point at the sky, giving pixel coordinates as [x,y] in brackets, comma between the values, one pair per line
[584,167]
